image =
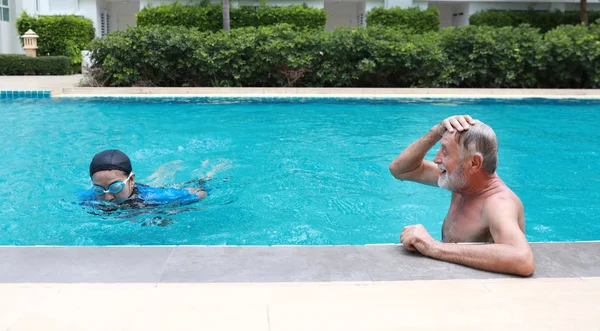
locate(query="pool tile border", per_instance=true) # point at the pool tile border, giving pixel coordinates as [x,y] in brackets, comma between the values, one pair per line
[301,94]
[25,94]
[321,97]
[324,98]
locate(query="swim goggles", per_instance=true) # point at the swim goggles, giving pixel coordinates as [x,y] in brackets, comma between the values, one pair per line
[114,188]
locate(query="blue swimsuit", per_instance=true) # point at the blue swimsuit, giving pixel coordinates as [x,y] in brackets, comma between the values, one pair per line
[144,195]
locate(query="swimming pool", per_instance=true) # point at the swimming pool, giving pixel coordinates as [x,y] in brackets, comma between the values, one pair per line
[297,171]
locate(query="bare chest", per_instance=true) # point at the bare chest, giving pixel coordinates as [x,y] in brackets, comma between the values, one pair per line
[464,222]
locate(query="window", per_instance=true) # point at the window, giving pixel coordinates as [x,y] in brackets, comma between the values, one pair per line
[104,19]
[4,11]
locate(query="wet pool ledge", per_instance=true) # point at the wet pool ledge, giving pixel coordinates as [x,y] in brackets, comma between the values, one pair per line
[234,264]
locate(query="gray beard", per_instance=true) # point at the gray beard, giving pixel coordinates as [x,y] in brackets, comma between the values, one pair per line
[454,182]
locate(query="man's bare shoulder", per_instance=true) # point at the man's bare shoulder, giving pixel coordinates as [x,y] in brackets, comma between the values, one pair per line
[503,201]
[504,197]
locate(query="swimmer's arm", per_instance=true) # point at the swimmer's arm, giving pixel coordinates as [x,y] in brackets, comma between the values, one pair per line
[199,192]
[410,164]
[510,253]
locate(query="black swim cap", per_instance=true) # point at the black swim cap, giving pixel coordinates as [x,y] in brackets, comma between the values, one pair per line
[111,159]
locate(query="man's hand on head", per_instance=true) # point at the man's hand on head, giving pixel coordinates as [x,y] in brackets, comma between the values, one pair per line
[454,123]
[416,238]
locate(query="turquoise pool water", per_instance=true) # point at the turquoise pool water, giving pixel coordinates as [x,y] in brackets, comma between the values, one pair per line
[296,172]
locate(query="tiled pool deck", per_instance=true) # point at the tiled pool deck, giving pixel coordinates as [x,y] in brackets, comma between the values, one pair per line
[378,287]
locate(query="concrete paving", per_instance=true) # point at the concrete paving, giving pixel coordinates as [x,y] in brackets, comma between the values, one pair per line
[490,304]
[55,84]
[263,264]
[69,86]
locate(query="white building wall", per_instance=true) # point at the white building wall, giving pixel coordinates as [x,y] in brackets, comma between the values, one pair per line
[310,3]
[122,14]
[26,5]
[232,3]
[341,14]
[372,4]
[9,37]
[421,4]
[446,12]
[63,7]
[44,7]
[398,3]
[452,13]
[88,9]
[460,14]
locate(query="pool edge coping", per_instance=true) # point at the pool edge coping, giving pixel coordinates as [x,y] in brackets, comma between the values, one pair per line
[268,264]
[290,245]
[325,92]
[313,93]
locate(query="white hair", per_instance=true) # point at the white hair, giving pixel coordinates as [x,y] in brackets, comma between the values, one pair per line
[481,140]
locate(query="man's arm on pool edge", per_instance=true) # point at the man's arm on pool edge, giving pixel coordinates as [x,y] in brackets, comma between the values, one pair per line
[510,252]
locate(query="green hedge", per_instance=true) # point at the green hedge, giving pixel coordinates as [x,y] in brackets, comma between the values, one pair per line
[544,20]
[60,35]
[207,17]
[570,58]
[492,57]
[470,56]
[413,19]
[12,64]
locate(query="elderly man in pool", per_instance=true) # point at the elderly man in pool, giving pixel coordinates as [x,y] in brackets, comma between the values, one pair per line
[482,210]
